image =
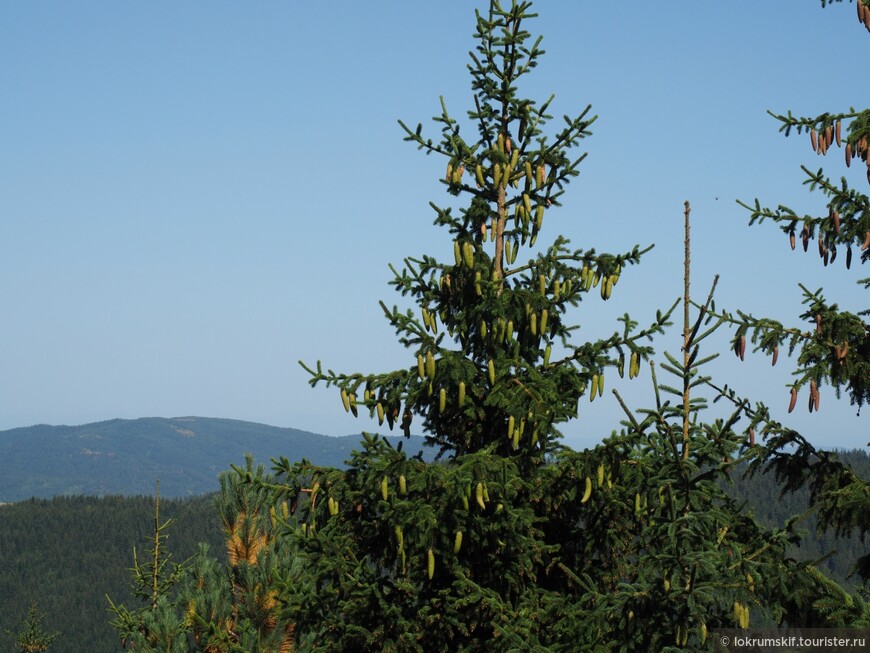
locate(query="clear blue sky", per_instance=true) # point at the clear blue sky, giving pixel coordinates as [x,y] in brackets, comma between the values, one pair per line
[195,195]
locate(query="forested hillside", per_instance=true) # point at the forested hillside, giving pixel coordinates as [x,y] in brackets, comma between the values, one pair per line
[765,500]
[68,553]
[127,456]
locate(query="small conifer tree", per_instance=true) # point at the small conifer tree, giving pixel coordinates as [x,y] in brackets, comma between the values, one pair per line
[33,638]
[214,604]
[155,626]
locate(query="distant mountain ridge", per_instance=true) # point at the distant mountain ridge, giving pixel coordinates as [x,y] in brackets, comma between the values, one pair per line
[127,457]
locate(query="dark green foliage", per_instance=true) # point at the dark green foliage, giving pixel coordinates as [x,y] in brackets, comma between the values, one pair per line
[154,577]
[32,638]
[35,566]
[632,545]
[838,493]
[499,320]
[68,553]
[214,604]
[768,501]
[238,605]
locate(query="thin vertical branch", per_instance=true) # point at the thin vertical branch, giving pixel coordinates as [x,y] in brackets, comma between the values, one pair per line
[686,330]
[155,571]
[508,62]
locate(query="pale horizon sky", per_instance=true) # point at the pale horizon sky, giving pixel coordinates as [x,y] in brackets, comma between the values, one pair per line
[195,196]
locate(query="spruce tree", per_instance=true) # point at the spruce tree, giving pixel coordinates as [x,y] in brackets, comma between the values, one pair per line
[510,541]
[514,542]
[155,626]
[493,366]
[33,638]
[832,345]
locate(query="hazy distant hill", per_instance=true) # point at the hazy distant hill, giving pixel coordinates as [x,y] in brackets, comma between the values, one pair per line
[127,456]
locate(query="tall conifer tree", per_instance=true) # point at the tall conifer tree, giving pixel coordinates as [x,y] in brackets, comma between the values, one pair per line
[492,363]
[510,542]
[514,542]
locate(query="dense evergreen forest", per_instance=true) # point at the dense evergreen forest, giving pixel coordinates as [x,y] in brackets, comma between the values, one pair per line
[68,553]
[766,501]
